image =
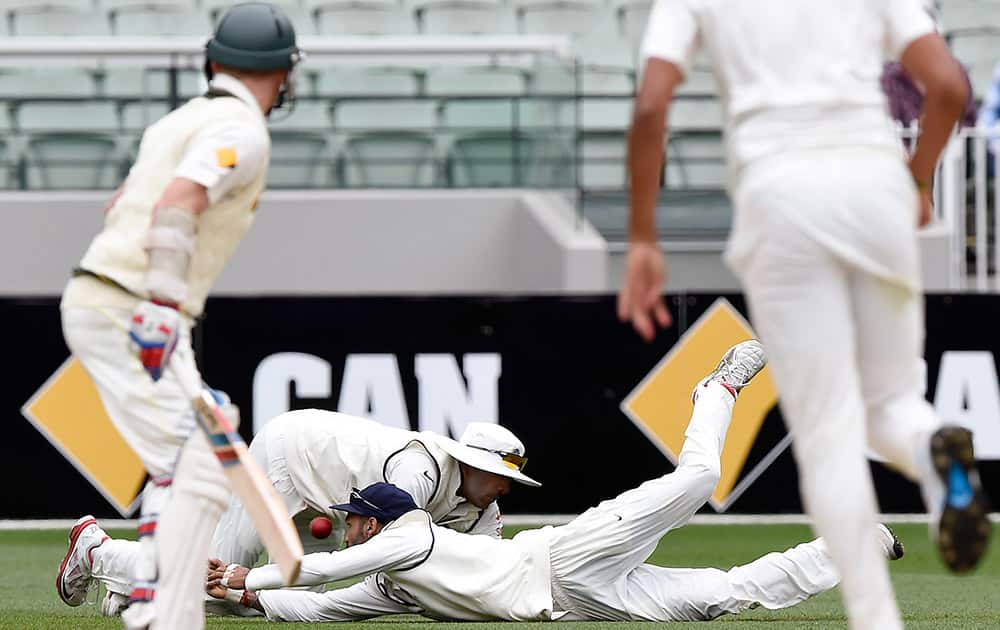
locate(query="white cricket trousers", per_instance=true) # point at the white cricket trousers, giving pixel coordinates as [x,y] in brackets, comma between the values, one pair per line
[826,248]
[236,539]
[597,559]
[188,490]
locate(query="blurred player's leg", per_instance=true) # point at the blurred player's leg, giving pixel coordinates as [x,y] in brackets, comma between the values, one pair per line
[156,420]
[799,288]
[185,533]
[606,542]
[904,428]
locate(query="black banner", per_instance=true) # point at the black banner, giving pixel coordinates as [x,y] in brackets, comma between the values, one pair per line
[554,369]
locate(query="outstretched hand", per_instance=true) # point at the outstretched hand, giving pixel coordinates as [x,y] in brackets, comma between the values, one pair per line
[214,588]
[225,576]
[641,299]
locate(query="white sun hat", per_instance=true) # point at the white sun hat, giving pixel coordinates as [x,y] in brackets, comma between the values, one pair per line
[492,448]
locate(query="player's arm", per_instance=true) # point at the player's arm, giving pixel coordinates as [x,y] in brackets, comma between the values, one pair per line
[910,35]
[217,160]
[930,62]
[668,49]
[392,549]
[363,600]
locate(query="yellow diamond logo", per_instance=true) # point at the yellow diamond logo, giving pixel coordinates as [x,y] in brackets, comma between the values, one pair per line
[660,405]
[68,411]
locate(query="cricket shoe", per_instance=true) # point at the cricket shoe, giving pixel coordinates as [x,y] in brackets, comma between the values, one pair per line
[891,544]
[740,364]
[73,581]
[963,523]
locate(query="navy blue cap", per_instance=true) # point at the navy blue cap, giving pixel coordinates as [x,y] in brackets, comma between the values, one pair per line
[382,500]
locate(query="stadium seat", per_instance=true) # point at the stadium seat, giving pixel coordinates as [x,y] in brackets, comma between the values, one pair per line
[300,159]
[696,160]
[503,159]
[632,18]
[577,18]
[980,52]
[366,81]
[137,115]
[475,81]
[456,84]
[465,17]
[969,14]
[297,12]
[606,67]
[46,82]
[305,115]
[605,114]
[699,80]
[159,20]
[602,160]
[396,159]
[7,163]
[80,160]
[363,17]
[370,115]
[130,82]
[60,18]
[697,114]
[35,116]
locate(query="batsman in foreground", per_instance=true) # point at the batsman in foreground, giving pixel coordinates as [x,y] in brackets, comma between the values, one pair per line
[168,232]
[590,569]
[824,242]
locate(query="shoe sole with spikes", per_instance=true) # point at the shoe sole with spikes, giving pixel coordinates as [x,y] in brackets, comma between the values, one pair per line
[964,529]
[737,368]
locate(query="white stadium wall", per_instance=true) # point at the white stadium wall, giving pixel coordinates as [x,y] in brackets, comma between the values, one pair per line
[380,242]
[343,242]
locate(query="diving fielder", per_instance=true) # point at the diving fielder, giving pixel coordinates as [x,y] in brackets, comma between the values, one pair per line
[824,241]
[314,457]
[167,234]
[589,569]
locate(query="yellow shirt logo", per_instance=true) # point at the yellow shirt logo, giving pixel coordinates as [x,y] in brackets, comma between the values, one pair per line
[226,157]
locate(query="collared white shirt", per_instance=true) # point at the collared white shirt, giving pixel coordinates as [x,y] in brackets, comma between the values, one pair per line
[791,73]
[231,154]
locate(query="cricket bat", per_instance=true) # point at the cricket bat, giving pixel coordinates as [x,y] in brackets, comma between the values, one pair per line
[248,481]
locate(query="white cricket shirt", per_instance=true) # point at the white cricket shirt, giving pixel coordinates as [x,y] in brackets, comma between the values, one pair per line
[221,143]
[792,74]
[328,453]
[421,567]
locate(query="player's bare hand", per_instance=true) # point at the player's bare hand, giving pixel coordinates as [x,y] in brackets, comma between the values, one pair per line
[232,576]
[641,299]
[926,208]
[215,589]
[214,564]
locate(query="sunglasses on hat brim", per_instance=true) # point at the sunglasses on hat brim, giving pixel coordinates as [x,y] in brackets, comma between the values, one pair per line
[510,460]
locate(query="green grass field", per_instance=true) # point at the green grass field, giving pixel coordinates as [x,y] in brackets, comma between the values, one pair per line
[930,598]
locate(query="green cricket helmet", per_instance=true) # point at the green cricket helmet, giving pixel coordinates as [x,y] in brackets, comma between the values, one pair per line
[254,36]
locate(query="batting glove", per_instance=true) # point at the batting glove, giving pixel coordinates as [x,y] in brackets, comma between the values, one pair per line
[153,336]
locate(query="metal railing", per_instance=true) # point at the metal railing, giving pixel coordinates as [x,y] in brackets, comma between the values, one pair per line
[967,199]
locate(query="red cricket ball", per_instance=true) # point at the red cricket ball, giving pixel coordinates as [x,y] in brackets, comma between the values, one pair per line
[320,527]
